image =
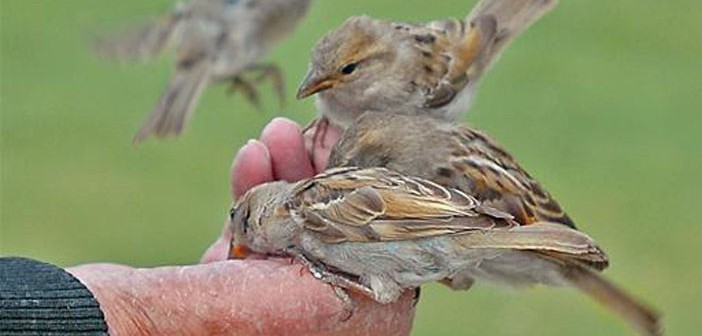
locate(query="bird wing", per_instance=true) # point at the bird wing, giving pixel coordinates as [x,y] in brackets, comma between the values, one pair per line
[499,181]
[370,205]
[511,17]
[461,51]
[447,49]
[145,42]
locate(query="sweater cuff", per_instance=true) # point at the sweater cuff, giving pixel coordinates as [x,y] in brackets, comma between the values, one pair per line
[41,299]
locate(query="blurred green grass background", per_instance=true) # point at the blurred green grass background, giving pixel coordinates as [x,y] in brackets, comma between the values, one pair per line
[600,101]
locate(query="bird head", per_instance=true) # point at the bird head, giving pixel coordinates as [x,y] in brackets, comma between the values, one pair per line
[357,52]
[260,222]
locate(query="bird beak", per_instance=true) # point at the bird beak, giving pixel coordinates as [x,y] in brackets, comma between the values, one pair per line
[239,252]
[314,82]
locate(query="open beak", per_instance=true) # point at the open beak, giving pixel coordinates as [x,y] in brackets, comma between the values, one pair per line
[314,82]
[239,252]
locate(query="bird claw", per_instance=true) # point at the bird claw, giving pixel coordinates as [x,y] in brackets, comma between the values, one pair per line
[247,89]
[248,86]
[338,282]
[272,72]
[347,303]
[319,126]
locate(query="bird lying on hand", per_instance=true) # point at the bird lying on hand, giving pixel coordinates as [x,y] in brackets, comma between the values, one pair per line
[378,232]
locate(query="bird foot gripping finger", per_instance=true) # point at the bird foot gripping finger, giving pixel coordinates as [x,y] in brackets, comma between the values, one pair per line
[338,282]
[347,303]
[319,127]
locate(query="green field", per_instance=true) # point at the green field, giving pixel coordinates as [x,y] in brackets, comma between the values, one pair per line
[601,101]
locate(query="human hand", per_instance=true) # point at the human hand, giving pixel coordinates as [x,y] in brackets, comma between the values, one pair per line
[246,297]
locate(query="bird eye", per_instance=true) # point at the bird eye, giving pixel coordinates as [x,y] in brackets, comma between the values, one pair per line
[242,215]
[349,68]
[245,223]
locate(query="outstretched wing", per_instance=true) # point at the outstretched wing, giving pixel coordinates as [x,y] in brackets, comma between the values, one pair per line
[145,42]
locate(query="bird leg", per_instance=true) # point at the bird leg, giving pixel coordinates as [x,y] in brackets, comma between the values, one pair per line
[338,282]
[274,73]
[248,89]
[319,126]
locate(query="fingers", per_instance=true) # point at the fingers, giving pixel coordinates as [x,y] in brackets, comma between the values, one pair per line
[220,248]
[289,157]
[252,166]
[282,154]
[251,297]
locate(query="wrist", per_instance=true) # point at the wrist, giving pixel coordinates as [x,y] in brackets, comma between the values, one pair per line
[117,290]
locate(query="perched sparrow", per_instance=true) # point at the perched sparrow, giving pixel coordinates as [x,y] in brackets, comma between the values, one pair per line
[214,40]
[378,232]
[372,65]
[450,154]
[458,157]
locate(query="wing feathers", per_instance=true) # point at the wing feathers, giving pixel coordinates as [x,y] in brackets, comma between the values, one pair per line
[144,43]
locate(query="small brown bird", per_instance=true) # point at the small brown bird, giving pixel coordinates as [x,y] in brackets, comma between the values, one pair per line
[457,156]
[378,232]
[434,68]
[214,41]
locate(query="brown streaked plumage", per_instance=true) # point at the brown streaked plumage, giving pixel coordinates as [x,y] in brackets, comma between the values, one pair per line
[372,65]
[457,156]
[452,155]
[379,232]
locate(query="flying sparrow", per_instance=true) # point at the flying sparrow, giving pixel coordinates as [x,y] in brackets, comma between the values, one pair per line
[434,68]
[379,233]
[457,156]
[214,41]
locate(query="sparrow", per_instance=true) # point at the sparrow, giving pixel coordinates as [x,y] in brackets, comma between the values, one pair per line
[213,41]
[457,156]
[451,154]
[433,68]
[379,232]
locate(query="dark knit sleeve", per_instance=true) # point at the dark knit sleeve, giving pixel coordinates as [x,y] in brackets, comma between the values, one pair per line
[41,299]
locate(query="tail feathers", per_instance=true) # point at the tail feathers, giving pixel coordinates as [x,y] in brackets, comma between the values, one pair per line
[554,254]
[552,239]
[143,43]
[177,103]
[641,317]
[512,18]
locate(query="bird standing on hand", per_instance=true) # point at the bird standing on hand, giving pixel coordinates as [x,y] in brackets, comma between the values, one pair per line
[214,41]
[374,65]
[459,157]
